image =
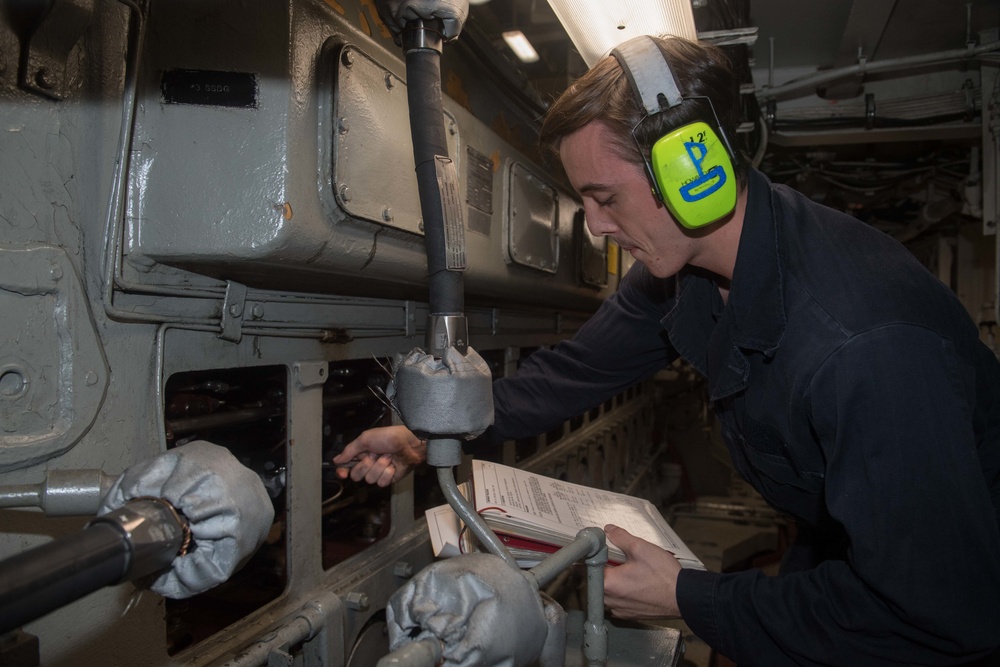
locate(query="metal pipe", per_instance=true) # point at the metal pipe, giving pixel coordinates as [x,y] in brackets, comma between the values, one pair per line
[588,542]
[138,539]
[308,622]
[422,653]
[458,502]
[595,631]
[229,418]
[63,493]
[880,66]
[21,495]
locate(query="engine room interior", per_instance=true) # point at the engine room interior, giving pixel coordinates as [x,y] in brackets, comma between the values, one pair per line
[215,243]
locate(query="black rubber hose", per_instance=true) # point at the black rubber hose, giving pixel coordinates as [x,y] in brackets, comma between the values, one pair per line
[423,90]
[42,579]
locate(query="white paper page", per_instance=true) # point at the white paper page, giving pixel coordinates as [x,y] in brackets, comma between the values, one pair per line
[544,500]
[444,528]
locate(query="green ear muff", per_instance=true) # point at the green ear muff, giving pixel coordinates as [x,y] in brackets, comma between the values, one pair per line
[694,174]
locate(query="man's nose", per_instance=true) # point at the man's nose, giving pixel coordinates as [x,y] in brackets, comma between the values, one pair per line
[598,224]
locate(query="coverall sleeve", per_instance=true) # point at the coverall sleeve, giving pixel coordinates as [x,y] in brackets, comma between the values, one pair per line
[893,410]
[621,344]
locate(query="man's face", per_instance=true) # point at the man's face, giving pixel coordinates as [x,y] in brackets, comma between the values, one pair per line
[619,203]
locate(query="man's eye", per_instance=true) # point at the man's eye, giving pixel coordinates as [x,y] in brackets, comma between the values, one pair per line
[605,202]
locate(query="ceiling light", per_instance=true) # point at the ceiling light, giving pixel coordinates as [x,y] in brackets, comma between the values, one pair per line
[478,2]
[520,45]
[597,26]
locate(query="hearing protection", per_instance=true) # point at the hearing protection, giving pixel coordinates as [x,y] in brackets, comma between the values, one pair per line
[690,167]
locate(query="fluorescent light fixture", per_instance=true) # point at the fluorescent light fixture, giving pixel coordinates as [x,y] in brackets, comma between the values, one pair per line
[478,2]
[520,45]
[597,26]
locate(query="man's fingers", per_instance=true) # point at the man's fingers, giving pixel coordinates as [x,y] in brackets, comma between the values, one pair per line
[378,469]
[352,450]
[623,539]
[388,475]
[361,468]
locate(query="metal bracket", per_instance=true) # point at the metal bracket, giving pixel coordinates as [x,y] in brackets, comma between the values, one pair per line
[232,311]
[45,62]
[310,373]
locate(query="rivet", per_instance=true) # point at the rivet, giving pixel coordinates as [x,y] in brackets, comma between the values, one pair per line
[387,214]
[56,272]
[342,125]
[347,58]
[258,311]
[90,378]
[389,83]
[345,193]
[236,310]
[403,569]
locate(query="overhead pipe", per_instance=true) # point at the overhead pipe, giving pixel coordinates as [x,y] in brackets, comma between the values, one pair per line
[891,64]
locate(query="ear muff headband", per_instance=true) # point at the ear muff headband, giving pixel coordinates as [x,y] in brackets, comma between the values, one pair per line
[690,167]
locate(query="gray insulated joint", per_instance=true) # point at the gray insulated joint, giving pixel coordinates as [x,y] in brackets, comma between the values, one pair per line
[450,395]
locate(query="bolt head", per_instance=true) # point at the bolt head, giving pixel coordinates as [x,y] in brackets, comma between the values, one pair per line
[356,601]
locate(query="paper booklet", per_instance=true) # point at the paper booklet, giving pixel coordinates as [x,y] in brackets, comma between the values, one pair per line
[535,515]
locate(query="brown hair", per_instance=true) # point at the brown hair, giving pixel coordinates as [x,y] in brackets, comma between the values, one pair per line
[604,95]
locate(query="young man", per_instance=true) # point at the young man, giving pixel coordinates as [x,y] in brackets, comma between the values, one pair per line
[851,386]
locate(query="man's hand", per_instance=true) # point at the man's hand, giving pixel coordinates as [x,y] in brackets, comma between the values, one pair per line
[645,586]
[381,455]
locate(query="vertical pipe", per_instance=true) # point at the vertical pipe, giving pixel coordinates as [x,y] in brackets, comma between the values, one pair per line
[595,632]
[423,90]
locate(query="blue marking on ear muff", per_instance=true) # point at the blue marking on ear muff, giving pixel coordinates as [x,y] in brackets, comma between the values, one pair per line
[715,177]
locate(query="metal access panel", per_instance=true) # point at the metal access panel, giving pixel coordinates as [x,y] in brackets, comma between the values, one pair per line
[373,171]
[532,221]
